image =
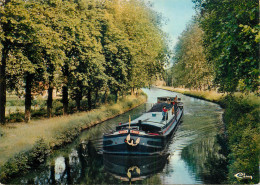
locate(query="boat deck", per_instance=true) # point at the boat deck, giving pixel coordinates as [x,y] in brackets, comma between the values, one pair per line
[159,106]
[154,118]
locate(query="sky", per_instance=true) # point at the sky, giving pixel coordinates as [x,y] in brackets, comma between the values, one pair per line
[178,13]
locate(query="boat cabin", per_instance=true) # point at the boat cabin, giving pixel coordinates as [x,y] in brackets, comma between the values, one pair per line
[152,121]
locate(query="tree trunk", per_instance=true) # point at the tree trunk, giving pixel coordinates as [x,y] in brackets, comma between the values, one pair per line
[28,97]
[89,100]
[50,70]
[65,93]
[5,51]
[132,91]
[96,98]
[78,100]
[122,94]
[79,95]
[105,97]
[50,98]
[116,96]
[65,99]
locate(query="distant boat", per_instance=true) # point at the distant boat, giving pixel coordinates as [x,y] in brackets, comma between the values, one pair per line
[149,133]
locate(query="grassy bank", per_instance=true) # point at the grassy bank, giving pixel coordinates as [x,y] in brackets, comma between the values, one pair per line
[241,118]
[212,96]
[25,145]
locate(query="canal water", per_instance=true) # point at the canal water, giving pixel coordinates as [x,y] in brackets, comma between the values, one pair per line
[194,155]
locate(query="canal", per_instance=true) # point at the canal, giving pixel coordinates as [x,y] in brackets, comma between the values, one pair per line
[194,156]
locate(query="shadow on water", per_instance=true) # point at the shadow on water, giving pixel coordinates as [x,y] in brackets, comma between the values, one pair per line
[194,154]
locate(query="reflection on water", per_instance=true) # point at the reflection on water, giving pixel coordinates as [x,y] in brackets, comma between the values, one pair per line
[195,155]
[206,160]
[134,168]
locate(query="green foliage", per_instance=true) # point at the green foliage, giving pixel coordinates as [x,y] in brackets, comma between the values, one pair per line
[242,119]
[15,103]
[82,47]
[190,68]
[38,153]
[135,48]
[15,117]
[67,135]
[111,98]
[24,161]
[57,106]
[13,166]
[232,41]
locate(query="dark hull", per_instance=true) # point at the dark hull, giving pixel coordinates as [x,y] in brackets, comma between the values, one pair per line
[148,145]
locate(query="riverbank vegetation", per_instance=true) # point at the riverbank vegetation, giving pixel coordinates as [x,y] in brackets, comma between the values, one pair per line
[27,145]
[219,53]
[212,96]
[83,50]
[241,132]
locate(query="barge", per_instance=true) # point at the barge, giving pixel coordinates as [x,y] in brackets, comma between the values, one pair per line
[149,134]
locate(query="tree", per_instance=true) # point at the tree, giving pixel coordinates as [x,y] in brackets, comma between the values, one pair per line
[88,73]
[143,47]
[190,67]
[5,48]
[44,52]
[15,32]
[116,50]
[68,20]
[90,46]
[232,41]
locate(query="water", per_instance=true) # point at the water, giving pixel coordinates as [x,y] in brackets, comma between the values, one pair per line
[194,154]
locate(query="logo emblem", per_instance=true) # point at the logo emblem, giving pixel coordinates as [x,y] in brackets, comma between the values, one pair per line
[131,141]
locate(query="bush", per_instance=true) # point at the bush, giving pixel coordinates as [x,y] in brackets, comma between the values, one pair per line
[22,162]
[15,117]
[39,153]
[17,102]
[39,113]
[66,134]
[14,166]
[57,107]
[242,121]
[111,98]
